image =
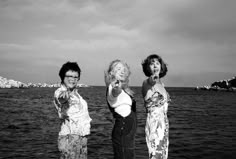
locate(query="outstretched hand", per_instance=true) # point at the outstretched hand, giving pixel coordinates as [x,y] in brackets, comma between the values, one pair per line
[64,117]
[153,79]
[116,83]
[116,87]
[64,95]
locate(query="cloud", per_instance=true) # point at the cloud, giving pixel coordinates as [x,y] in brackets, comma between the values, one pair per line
[13,46]
[192,36]
[206,21]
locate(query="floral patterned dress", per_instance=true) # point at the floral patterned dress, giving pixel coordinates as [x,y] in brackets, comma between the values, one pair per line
[157,124]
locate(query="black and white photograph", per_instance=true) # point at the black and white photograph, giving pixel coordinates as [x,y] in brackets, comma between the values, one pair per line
[117,79]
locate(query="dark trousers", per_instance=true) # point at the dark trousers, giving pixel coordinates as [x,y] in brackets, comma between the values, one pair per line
[123,137]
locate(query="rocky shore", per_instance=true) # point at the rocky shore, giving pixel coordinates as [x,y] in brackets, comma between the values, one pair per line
[222,85]
[10,83]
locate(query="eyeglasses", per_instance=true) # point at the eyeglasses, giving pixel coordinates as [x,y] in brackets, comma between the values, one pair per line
[74,77]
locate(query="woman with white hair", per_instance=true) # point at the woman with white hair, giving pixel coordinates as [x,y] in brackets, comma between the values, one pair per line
[123,107]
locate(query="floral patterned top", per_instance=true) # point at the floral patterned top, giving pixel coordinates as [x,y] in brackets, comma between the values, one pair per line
[76,109]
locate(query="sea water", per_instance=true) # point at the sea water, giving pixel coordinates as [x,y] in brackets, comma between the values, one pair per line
[202,124]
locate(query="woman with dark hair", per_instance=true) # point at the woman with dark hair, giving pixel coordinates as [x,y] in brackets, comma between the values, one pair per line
[156,101]
[73,112]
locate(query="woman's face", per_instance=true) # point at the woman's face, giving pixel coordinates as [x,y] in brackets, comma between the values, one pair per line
[155,67]
[71,79]
[119,72]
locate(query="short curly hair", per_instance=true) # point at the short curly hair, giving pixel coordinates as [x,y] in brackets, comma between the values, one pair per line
[147,62]
[73,66]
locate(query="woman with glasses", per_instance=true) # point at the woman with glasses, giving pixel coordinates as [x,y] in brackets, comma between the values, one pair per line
[73,112]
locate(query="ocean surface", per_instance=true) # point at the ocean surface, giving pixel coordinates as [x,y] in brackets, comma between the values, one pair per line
[202,124]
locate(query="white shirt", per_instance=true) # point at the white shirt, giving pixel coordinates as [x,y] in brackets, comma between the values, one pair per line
[121,104]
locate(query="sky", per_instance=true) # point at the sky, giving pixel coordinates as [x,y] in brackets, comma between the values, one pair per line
[196,38]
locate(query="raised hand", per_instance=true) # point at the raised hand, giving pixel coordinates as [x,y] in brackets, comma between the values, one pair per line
[116,87]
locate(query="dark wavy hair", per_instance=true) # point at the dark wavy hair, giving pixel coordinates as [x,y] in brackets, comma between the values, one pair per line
[147,62]
[73,66]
